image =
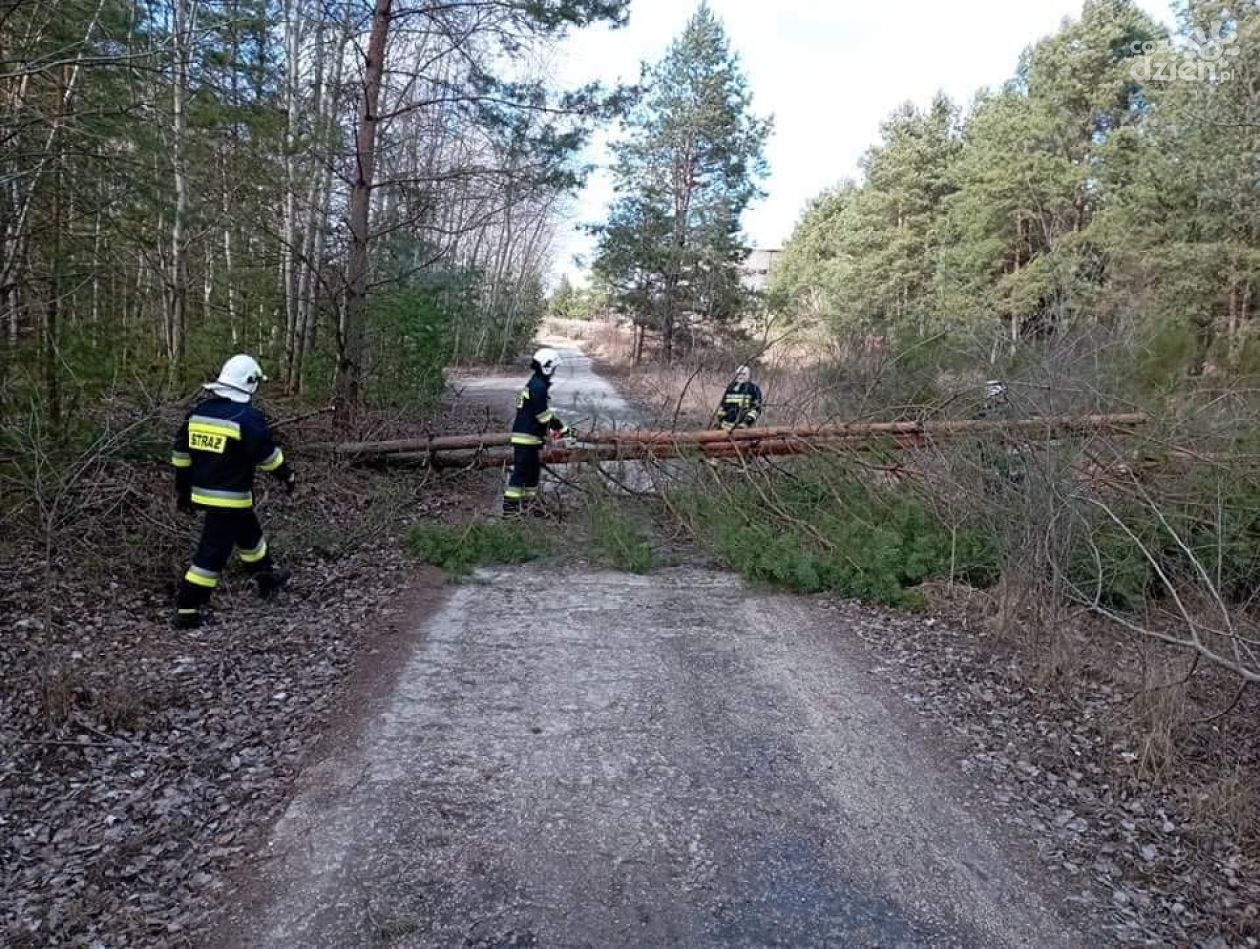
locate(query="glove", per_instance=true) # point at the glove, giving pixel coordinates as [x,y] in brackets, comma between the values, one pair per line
[290,483]
[183,501]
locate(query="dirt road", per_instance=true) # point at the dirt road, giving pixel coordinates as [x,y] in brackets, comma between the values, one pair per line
[578,393]
[585,758]
[580,397]
[610,760]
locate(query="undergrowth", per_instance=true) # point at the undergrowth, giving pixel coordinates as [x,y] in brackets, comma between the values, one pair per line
[818,534]
[459,548]
[618,540]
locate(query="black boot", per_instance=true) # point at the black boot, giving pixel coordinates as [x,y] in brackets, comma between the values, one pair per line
[272,581]
[187,619]
[190,606]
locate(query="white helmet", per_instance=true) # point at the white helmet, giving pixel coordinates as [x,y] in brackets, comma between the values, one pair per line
[995,389]
[743,374]
[238,379]
[547,359]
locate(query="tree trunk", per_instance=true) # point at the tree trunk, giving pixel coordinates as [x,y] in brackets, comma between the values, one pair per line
[291,252]
[10,201]
[14,242]
[229,268]
[185,14]
[1239,309]
[207,282]
[96,270]
[52,311]
[1244,313]
[325,108]
[350,357]
[667,325]
[684,181]
[229,278]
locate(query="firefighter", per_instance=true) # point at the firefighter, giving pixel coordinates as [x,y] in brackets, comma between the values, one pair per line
[1002,463]
[534,419]
[997,401]
[222,441]
[741,403]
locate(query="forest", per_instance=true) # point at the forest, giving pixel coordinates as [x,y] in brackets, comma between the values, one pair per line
[365,194]
[358,193]
[1108,187]
[954,556]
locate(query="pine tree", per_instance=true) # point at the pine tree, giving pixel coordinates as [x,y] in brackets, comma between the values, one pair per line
[564,300]
[866,258]
[816,267]
[894,236]
[1029,177]
[1111,181]
[684,174]
[1184,228]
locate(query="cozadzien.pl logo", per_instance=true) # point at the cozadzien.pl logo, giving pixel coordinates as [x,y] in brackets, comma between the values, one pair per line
[1206,56]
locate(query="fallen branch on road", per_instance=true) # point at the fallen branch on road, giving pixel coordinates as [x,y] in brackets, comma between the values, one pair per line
[491,450]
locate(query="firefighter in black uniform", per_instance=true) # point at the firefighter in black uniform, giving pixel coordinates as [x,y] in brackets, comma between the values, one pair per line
[1001,463]
[216,451]
[741,403]
[534,419]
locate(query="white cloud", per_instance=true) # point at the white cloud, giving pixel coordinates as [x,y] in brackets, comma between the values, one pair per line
[829,71]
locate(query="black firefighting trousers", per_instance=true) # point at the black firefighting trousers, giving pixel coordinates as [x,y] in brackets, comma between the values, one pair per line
[223,530]
[523,482]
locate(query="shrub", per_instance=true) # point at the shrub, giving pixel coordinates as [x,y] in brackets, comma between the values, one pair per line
[411,342]
[458,548]
[619,542]
[823,530]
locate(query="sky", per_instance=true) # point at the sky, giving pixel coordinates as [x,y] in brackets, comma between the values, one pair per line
[828,71]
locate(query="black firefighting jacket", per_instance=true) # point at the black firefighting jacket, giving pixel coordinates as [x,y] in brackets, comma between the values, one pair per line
[216,451]
[741,404]
[533,417]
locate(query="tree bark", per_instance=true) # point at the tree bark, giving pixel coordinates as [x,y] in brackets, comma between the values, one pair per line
[350,357]
[229,277]
[291,252]
[52,311]
[14,246]
[325,108]
[185,18]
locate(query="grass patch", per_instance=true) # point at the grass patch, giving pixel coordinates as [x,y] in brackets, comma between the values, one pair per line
[459,548]
[829,534]
[619,542]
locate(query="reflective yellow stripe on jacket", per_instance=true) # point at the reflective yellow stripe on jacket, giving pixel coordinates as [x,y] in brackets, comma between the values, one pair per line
[214,426]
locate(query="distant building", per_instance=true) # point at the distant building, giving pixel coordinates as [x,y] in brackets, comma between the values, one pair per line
[755,270]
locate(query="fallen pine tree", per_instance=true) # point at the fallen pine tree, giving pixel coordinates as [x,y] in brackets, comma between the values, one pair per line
[493,449]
